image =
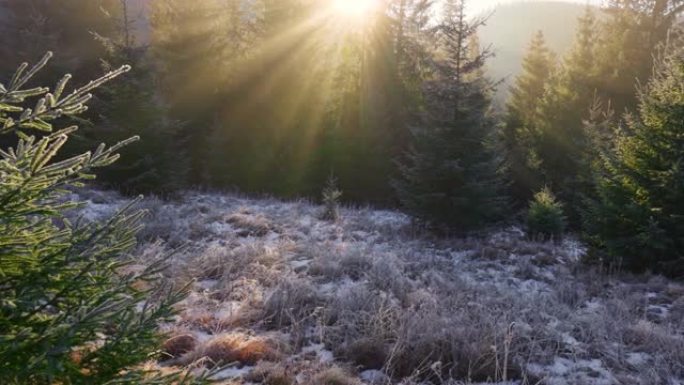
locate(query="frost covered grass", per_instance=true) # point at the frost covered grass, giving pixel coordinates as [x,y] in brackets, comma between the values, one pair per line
[283,297]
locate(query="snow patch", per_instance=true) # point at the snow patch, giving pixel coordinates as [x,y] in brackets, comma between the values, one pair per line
[232,373]
[638,359]
[565,371]
[324,356]
[374,376]
[93,212]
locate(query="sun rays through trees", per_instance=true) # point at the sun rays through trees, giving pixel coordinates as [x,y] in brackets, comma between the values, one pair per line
[302,87]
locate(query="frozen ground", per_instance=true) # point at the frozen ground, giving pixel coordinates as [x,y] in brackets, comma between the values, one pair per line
[287,298]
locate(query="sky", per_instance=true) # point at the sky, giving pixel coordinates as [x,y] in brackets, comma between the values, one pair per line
[479,6]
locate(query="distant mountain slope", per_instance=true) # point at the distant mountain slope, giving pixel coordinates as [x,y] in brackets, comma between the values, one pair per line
[511,27]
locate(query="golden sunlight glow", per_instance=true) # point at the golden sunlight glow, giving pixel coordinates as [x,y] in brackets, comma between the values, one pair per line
[357,9]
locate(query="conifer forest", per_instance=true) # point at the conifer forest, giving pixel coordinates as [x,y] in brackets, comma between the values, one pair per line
[342,192]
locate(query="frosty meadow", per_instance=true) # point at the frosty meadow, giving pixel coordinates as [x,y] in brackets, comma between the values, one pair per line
[328,192]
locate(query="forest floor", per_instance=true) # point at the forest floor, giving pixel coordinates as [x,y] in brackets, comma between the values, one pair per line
[287,298]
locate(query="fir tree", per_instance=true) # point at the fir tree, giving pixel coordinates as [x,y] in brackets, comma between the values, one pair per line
[331,200]
[450,177]
[69,303]
[545,218]
[522,120]
[638,218]
[158,162]
[30,27]
[132,106]
[561,143]
[376,94]
[190,41]
[628,39]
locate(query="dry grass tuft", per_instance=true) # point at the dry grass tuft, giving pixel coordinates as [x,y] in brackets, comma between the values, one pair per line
[362,326]
[325,266]
[252,260]
[269,373]
[388,275]
[355,264]
[250,225]
[291,302]
[677,311]
[213,263]
[238,348]
[367,352]
[162,223]
[179,345]
[335,265]
[201,319]
[334,376]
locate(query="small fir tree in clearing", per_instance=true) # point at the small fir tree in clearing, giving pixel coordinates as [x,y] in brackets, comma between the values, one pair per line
[545,218]
[73,310]
[637,220]
[331,200]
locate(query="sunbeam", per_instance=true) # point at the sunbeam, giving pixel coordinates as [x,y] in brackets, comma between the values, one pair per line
[356,10]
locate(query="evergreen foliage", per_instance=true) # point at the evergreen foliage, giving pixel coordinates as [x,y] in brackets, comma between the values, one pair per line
[628,40]
[638,217]
[69,300]
[313,93]
[375,98]
[557,147]
[285,88]
[194,45]
[546,135]
[331,200]
[158,163]
[29,28]
[450,177]
[545,218]
[520,129]
[289,84]
[561,143]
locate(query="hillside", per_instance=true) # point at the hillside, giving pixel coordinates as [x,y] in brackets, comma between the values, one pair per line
[511,27]
[287,298]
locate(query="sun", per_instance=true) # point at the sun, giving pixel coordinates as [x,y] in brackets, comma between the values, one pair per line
[355,9]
